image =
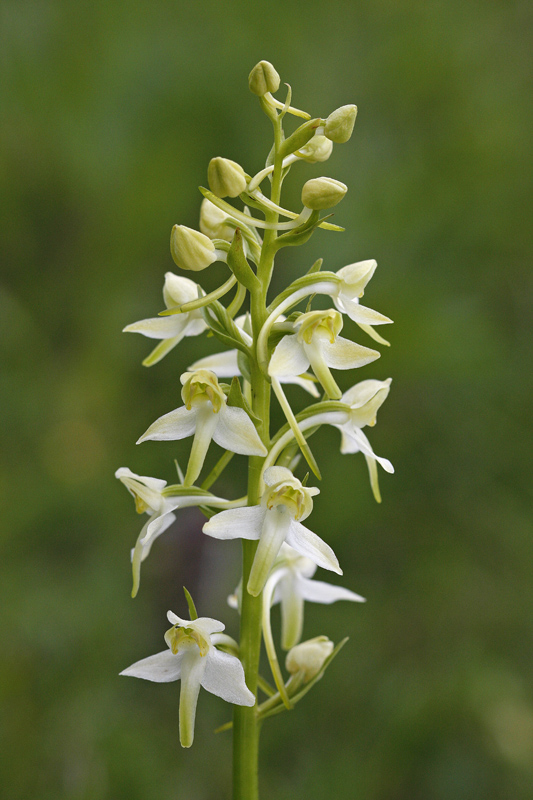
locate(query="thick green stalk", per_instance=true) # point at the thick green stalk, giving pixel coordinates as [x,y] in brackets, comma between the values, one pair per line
[245,721]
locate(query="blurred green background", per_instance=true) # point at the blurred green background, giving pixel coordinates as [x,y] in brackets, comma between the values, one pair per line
[110,114]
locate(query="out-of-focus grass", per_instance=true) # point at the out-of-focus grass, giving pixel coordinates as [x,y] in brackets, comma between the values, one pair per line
[110,115]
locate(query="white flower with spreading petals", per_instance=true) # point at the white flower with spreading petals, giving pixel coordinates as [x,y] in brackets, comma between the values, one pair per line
[194,659]
[207,416]
[149,498]
[225,364]
[317,343]
[276,520]
[291,585]
[172,329]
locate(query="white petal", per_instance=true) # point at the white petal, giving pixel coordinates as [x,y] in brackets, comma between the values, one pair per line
[273,475]
[363,391]
[320,592]
[360,314]
[356,276]
[154,529]
[224,677]
[236,431]
[177,424]
[236,523]
[275,527]
[368,329]
[309,544]
[224,365]
[161,668]
[343,354]
[159,327]
[366,448]
[179,290]
[288,359]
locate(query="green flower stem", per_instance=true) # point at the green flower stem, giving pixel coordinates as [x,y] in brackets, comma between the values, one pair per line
[246,724]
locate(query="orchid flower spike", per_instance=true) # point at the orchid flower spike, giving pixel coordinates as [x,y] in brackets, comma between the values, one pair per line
[291,585]
[150,499]
[225,364]
[176,292]
[193,658]
[285,501]
[207,416]
[317,343]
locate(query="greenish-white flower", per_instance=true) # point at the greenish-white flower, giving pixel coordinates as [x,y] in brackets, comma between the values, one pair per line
[206,416]
[284,503]
[291,585]
[214,222]
[317,343]
[172,329]
[193,658]
[150,499]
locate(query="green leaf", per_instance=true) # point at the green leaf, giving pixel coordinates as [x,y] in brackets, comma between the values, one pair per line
[299,138]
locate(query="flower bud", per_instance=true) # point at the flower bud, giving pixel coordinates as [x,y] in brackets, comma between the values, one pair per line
[226,178]
[307,658]
[317,149]
[339,124]
[320,193]
[213,221]
[263,78]
[190,249]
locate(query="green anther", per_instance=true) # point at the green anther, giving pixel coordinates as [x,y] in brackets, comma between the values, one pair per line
[200,387]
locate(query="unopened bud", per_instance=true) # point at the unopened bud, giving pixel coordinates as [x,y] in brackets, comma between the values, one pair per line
[263,78]
[190,249]
[339,124]
[317,149]
[213,222]
[320,193]
[307,658]
[226,178]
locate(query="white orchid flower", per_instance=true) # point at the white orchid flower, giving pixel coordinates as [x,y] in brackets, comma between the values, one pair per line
[290,584]
[207,416]
[149,498]
[317,343]
[225,364]
[345,287]
[276,520]
[362,403]
[171,329]
[194,659]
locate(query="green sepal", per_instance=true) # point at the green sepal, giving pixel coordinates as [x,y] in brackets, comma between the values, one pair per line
[193,613]
[237,399]
[277,709]
[299,138]
[238,264]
